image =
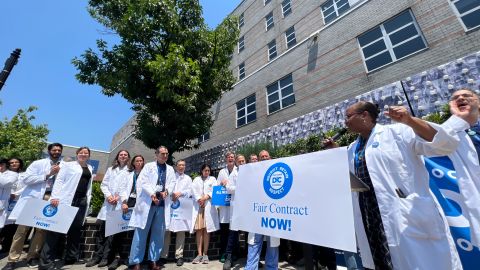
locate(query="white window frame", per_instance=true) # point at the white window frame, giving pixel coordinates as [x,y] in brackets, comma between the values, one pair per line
[246,114]
[241,71]
[269,22]
[459,16]
[288,9]
[201,138]
[280,97]
[286,37]
[241,44]
[388,43]
[241,20]
[335,8]
[269,50]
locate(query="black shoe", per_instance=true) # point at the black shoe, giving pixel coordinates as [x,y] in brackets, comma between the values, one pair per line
[32,263]
[115,264]
[69,262]
[260,265]
[162,261]
[102,263]
[180,261]
[9,266]
[92,262]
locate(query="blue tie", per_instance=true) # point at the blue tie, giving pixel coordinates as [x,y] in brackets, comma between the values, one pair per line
[474,134]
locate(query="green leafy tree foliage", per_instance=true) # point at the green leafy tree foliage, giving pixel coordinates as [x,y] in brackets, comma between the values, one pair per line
[168,64]
[20,138]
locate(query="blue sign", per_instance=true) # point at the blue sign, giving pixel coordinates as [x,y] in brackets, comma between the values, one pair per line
[175,204]
[49,210]
[220,196]
[278,180]
[443,181]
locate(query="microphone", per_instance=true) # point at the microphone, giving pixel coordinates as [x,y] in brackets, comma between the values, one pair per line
[336,136]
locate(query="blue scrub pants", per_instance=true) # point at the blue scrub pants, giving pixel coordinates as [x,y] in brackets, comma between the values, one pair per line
[253,257]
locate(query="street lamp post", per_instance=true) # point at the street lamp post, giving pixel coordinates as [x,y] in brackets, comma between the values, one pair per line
[11,61]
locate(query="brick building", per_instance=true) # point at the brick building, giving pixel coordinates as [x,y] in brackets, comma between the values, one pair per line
[300,62]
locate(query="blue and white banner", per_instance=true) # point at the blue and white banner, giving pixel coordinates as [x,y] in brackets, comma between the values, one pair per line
[305,198]
[41,214]
[117,222]
[444,185]
[220,196]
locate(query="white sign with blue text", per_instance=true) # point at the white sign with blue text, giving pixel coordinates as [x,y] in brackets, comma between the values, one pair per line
[41,214]
[305,198]
[117,222]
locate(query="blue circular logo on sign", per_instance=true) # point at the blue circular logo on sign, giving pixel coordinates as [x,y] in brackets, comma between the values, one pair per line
[126,216]
[49,210]
[175,204]
[278,180]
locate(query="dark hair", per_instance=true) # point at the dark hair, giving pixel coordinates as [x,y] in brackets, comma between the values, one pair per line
[115,162]
[203,168]
[370,108]
[160,147]
[81,148]
[50,146]
[3,161]
[132,167]
[20,168]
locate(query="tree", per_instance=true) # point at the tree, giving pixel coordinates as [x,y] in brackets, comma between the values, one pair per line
[20,138]
[168,64]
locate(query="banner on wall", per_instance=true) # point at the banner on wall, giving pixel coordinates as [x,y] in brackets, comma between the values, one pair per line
[41,214]
[444,186]
[304,198]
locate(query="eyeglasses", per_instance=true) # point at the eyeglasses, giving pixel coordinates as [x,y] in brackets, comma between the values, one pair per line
[464,95]
[347,116]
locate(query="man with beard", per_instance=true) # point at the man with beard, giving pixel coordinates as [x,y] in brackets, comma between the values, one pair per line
[39,179]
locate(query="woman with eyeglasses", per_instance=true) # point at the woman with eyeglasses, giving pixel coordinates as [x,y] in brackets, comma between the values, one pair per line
[398,224]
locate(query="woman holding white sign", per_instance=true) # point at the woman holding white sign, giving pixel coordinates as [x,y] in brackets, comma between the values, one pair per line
[111,187]
[73,186]
[398,225]
[204,214]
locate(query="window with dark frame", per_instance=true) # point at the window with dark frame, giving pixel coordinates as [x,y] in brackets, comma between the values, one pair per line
[241,71]
[332,9]
[468,11]
[241,44]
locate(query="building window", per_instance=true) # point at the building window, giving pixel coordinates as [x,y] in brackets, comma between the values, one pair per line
[331,9]
[265,2]
[241,71]
[269,21]
[241,20]
[246,111]
[280,94]
[391,41]
[241,44]
[272,50]
[468,11]
[204,137]
[290,37]
[286,7]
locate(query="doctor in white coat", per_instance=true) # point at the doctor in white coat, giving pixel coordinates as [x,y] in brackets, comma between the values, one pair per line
[204,214]
[156,181]
[464,104]
[73,187]
[38,180]
[178,224]
[7,179]
[398,223]
[111,187]
[224,211]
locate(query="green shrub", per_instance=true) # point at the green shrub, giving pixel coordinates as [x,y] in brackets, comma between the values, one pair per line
[97,198]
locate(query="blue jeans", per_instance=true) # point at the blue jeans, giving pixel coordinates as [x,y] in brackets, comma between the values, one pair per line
[253,257]
[352,260]
[156,222]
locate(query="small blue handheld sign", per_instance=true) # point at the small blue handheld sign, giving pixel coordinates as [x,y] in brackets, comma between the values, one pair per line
[220,196]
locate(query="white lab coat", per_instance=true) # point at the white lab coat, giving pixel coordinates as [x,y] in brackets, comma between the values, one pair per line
[416,230]
[67,181]
[224,211]
[465,161]
[184,185]
[127,184]
[7,181]
[17,189]
[35,184]
[111,185]
[199,188]
[146,183]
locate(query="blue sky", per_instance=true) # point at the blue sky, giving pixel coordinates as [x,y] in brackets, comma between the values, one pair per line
[50,33]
